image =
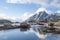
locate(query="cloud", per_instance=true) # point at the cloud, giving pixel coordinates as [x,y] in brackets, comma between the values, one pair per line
[58,11]
[43,3]
[27,1]
[26,15]
[23,17]
[55,3]
[2,15]
[5,16]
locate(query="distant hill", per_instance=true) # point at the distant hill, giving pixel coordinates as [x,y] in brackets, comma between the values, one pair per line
[2,21]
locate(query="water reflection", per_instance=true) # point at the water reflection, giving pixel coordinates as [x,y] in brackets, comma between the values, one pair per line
[16,34]
[24,29]
[45,36]
[33,33]
[39,31]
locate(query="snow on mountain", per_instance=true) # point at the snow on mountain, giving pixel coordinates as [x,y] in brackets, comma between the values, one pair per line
[39,15]
[43,9]
[42,14]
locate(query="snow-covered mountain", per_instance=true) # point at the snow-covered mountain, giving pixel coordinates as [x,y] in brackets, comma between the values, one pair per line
[42,15]
[39,15]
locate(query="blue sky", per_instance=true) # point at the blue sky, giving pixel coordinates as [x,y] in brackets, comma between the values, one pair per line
[17,8]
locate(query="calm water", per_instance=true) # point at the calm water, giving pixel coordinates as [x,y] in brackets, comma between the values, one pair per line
[32,34]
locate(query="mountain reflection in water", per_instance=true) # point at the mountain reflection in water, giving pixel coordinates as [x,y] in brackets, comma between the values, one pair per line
[34,33]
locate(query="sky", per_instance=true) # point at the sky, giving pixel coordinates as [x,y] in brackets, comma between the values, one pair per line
[22,9]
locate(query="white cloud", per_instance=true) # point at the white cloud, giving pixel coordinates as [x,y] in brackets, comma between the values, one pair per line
[12,1]
[43,3]
[55,3]
[26,15]
[28,1]
[2,15]
[5,16]
[58,11]
[23,17]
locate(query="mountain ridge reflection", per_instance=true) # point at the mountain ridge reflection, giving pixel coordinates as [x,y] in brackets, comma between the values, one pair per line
[38,30]
[33,33]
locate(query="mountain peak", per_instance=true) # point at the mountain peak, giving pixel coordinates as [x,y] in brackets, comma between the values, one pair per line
[41,10]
